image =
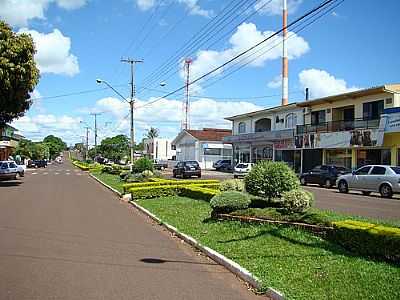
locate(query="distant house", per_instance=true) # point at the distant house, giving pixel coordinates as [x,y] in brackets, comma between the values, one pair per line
[158,148]
[8,141]
[206,146]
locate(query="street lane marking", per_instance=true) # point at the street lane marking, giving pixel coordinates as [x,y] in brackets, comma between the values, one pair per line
[34,173]
[56,173]
[67,173]
[45,173]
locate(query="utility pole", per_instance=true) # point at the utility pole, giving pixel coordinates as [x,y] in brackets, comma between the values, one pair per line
[285,63]
[186,103]
[87,143]
[95,131]
[133,63]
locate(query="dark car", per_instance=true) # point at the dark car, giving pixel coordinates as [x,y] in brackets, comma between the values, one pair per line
[187,169]
[40,163]
[223,165]
[324,175]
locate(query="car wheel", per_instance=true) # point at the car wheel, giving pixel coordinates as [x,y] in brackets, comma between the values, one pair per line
[365,193]
[386,191]
[343,187]
[328,183]
[303,181]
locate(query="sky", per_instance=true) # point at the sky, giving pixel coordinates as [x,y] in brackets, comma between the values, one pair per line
[354,45]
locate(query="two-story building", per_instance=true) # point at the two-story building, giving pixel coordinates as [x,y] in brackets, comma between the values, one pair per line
[8,141]
[267,134]
[349,129]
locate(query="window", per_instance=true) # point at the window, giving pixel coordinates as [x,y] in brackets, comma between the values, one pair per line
[363,171]
[378,171]
[396,169]
[226,152]
[242,127]
[13,165]
[192,163]
[173,147]
[4,166]
[212,151]
[318,117]
[373,110]
[263,125]
[291,120]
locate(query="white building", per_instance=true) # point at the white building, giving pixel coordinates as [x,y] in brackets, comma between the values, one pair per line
[205,146]
[159,148]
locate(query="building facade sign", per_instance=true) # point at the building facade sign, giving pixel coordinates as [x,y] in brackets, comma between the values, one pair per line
[392,122]
[284,144]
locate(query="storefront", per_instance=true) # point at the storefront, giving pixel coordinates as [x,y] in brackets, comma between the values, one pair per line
[262,152]
[241,153]
[338,157]
[373,157]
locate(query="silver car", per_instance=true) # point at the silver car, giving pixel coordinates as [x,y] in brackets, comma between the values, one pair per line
[8,170]
[373,178]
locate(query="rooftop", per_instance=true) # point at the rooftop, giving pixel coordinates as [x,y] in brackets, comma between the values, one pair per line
[210,134]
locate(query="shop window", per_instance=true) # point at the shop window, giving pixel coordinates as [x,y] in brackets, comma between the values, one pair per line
[373,157]
[373,110]
[242,127]
[339,157]
[227,152]
[212,151]
[242,155]
[290,120]
[263,125]
[318,117]
[262,153]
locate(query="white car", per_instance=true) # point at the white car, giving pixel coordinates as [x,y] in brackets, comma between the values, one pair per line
[241,169]
[373,178]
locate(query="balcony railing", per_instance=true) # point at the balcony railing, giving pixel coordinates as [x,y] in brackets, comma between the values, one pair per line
[335,126]
[261,136]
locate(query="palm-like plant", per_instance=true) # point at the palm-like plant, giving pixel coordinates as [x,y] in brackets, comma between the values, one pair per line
[152,133]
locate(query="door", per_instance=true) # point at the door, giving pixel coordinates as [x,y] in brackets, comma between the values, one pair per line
[314,175]
[359,177]
[375,177]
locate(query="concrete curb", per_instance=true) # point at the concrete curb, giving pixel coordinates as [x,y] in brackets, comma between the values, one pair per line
[119,194]
[214,255]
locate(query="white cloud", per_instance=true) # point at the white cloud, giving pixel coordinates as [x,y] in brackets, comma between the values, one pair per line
[322,84]
[145,4]
[275,7]
[53,52]
[246,36]
[276,82]
[19,12]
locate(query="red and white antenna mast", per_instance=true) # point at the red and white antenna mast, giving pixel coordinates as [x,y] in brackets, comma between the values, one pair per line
[186,102]
[285,63]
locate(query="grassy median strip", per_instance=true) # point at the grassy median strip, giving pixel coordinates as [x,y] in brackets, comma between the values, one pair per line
[298,263]
[112,180]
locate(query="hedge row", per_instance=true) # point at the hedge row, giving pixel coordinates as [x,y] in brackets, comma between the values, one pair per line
[191,191]
[128,186]
[80,165]
[368,239]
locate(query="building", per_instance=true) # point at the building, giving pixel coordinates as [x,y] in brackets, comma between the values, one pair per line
[159,148]
[8,141]
[351,129]
[267,134]
[206,146]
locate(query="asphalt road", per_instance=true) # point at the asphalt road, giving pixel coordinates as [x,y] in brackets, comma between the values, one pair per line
[64,236]
[353,203]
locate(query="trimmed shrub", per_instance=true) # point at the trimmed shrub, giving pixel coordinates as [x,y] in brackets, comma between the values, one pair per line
[197,192]
[297,201]
[211,186]
[232,185]
[143,164]
[368,239]
[229,201]
[269,179]
[147,173]
[159,182]
[154,191]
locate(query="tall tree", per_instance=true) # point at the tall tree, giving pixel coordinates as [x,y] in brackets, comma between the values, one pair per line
[55,145]
[115,148]
[152,133]
[18,73]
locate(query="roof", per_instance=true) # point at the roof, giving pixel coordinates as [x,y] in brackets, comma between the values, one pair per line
[206,134]
[210,134]
[388,88]
[262,111]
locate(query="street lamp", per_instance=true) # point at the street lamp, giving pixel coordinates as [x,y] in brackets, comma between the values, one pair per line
[131,104]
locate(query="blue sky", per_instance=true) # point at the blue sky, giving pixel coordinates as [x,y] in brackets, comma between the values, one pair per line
[354,46]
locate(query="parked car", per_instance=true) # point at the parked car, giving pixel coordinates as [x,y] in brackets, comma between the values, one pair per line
[325,175]
[59,160]
[374,178]
[187,169]
[241,169]
[8,170]
[223,165]
[160,164]
[40,163]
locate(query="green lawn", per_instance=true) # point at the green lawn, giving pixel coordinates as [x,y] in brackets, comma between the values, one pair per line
[112,180]
[298,263]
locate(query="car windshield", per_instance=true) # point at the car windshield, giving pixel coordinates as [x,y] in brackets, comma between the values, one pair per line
[396,169]
[4,166]
[192,163]
[13,165]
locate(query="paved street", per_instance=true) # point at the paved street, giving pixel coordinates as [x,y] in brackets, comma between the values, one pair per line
[64,236]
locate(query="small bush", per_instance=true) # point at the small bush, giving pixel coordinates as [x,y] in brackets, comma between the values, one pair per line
[154,191]
[368,239]
[147,173]
[143,164]
[270,179]
[229,201]
[197,192]
[232,185]
[297,201]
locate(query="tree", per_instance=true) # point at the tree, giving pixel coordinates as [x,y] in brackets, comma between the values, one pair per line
[55,145]
[18,73]
[152,133]
[25,148]
[115,148]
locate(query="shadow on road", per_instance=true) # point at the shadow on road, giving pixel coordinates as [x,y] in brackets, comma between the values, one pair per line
[151,260]
[9,183]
